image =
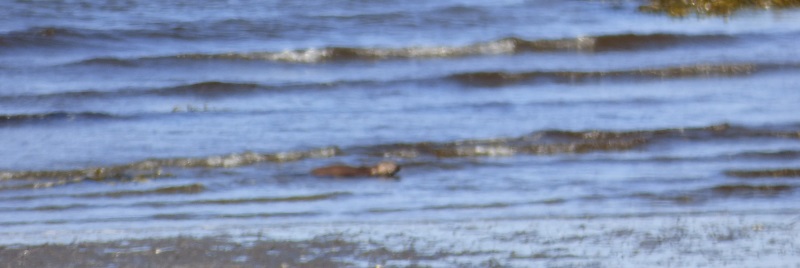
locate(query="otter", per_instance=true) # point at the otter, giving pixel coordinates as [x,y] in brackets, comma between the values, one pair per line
[382,169]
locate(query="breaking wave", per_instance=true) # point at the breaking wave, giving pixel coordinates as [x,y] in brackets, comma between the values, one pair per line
[572,142]
[547,142]
[509,45]
[152,168]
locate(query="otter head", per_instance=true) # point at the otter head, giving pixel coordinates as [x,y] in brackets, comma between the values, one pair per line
[385,169]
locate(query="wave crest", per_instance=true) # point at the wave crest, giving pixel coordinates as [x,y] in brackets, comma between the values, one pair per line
[550,142]
[507,45]
[702,70]
[152,168]
[545,142]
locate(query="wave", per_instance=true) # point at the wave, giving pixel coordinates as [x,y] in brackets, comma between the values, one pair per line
[48,37]
[551,142]
[17,119]
[707,194]
[153,168]
[702,70]
[508,45]
[59,36]
[169,217]
[299,198]
[746,190]
[776,155]
[170,190]
[106,61]
[218,89]
[545,142]
[206,89]
[210,89]
[181,189]
[764,173]
[623,42]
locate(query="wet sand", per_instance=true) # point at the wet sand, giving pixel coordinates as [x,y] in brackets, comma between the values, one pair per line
[680,240]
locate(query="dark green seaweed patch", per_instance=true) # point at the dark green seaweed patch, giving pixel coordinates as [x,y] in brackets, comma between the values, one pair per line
[682,8]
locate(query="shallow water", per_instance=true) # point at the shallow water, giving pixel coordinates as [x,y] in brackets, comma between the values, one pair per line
[134,118]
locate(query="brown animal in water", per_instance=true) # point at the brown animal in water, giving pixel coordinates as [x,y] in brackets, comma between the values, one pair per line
[382,169]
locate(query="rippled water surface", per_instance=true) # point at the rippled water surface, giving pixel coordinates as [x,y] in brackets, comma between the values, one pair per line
[173,116]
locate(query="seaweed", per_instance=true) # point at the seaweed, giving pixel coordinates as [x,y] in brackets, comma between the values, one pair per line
[682,8]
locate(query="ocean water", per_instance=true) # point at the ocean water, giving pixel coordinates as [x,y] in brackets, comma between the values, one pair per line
[121,118]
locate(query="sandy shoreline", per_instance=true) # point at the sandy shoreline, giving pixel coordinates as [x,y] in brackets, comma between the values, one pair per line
[742,240]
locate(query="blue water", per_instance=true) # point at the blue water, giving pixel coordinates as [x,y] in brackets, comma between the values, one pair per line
[145,115]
